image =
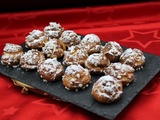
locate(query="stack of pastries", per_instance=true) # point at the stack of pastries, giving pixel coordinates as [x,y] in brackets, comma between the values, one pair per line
[82,58]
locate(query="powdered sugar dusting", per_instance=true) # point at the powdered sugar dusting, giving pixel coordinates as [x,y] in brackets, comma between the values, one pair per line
[114,48]
[70,37]
[122,67]
[50,65]
[119,70]
[94,58]
[133,57]
[9,47]
[108,87]
[53,30]
[74,69]
[131,53]
[53,49]
[31,59]
[91,43]
[75,55]
[91,38]
[50,47]
[36,37]
[35,34]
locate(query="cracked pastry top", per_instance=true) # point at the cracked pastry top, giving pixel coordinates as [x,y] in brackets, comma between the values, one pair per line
[133,57]
[35,40]
[122,72]
[30,59]
[50,70]
[11,55]
[112,50]
[97,63]
[53,30]
[91,42]
[107,89]
[69,38]
[76,77]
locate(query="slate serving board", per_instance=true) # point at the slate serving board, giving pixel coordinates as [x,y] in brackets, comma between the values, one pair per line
[83,98]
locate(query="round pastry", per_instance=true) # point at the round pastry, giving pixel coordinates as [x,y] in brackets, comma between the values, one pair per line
[133,57]
[97,63]
[11,55]
[30,59]
[53,30]
[75,55]
[54,48]
[76,77]
[122,72]
[35,39]
[70,38]
[91,43]
[112,50]
[50,70]
[107,89]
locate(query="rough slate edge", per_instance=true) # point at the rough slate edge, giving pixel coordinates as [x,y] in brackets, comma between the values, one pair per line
[142,77]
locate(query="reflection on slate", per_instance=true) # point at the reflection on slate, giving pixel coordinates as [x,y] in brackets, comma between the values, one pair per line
[83,98]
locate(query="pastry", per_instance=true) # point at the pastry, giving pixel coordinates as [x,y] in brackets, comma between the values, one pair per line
[112,50]
[76,77]
[11,55]
[75,55]
[54,48]
[107,89]
[133,57]
[97,63]
[35,39]
[122,72]
[70,38]
[50,70]
[30,59]
[91,43]
[53,30]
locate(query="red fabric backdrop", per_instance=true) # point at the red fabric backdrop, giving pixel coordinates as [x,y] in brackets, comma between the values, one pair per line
[132,25]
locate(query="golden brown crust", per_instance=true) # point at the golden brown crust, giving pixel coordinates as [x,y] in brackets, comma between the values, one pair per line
[54,48]
[112,50]
[53,30]
[30,59]
[75,55]
[76,77]
[70,38]
[97,63]
[133,57]
[122,72]
[11,55]
[35,39]
[50,70]
[91,43]
[107,89]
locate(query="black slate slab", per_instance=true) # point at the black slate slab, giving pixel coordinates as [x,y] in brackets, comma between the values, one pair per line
[83,98]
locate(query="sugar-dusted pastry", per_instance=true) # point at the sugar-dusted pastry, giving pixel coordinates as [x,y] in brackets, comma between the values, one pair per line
[75,55]
[97,63]
[91,43]
[11,55]
[30,59]
[69,38]
[107,89]
[36,39]
[76,77]
[122,72]
[112,50]
[50,70]
[54,48]
[53,30]
[133,57]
